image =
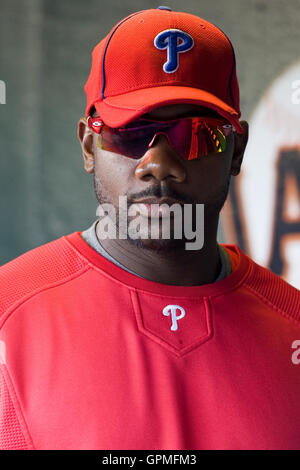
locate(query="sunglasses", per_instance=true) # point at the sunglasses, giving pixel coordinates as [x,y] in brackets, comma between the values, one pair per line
[190,137]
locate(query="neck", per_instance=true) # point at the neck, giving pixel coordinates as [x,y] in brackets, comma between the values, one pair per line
[173,267]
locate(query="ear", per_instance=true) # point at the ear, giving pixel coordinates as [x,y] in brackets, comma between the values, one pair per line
[85,136]
[240,142]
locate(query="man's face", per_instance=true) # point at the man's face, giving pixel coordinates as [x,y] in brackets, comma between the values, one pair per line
[161,172]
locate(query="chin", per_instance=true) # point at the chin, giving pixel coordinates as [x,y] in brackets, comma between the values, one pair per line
[159,245]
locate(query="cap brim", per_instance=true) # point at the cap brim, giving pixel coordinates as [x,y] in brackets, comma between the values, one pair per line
[121,109]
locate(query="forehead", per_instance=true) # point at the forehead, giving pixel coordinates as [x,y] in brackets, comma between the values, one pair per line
[180,110]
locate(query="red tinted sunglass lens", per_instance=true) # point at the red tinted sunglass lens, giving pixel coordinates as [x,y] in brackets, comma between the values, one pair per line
[131,141]
[180,135]
[190,137]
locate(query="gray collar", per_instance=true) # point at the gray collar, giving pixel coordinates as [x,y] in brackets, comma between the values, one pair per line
[91,238]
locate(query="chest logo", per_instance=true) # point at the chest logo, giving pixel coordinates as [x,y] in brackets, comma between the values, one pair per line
[176,42]
[171,310]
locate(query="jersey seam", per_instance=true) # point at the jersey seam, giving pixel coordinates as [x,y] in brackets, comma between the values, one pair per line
[267,302]
[18,408]
[12,309]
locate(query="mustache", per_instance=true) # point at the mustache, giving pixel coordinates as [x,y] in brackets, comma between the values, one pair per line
[161,192]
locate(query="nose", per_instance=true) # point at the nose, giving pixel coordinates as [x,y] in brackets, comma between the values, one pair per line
[160,162]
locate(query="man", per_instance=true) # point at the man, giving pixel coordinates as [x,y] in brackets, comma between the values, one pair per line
[126,342]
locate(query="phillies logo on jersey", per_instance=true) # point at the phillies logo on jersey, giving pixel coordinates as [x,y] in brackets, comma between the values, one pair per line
[171,310]
[176,42]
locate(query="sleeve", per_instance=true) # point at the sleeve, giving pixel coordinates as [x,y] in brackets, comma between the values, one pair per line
[13,430]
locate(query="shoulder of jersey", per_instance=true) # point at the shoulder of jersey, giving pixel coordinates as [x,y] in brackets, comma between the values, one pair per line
[36,270]
[274,291]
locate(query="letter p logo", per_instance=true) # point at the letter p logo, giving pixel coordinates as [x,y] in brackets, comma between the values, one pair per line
[171,310]
[176,42]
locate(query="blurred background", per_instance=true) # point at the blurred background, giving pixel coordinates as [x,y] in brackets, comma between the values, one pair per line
[45,57]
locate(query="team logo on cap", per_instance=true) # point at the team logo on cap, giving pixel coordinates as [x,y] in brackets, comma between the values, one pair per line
[176,42]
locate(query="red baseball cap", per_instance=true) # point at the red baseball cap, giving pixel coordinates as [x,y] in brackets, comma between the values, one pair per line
[159,57]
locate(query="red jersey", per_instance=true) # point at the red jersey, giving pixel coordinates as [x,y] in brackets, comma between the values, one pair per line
[94,357]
